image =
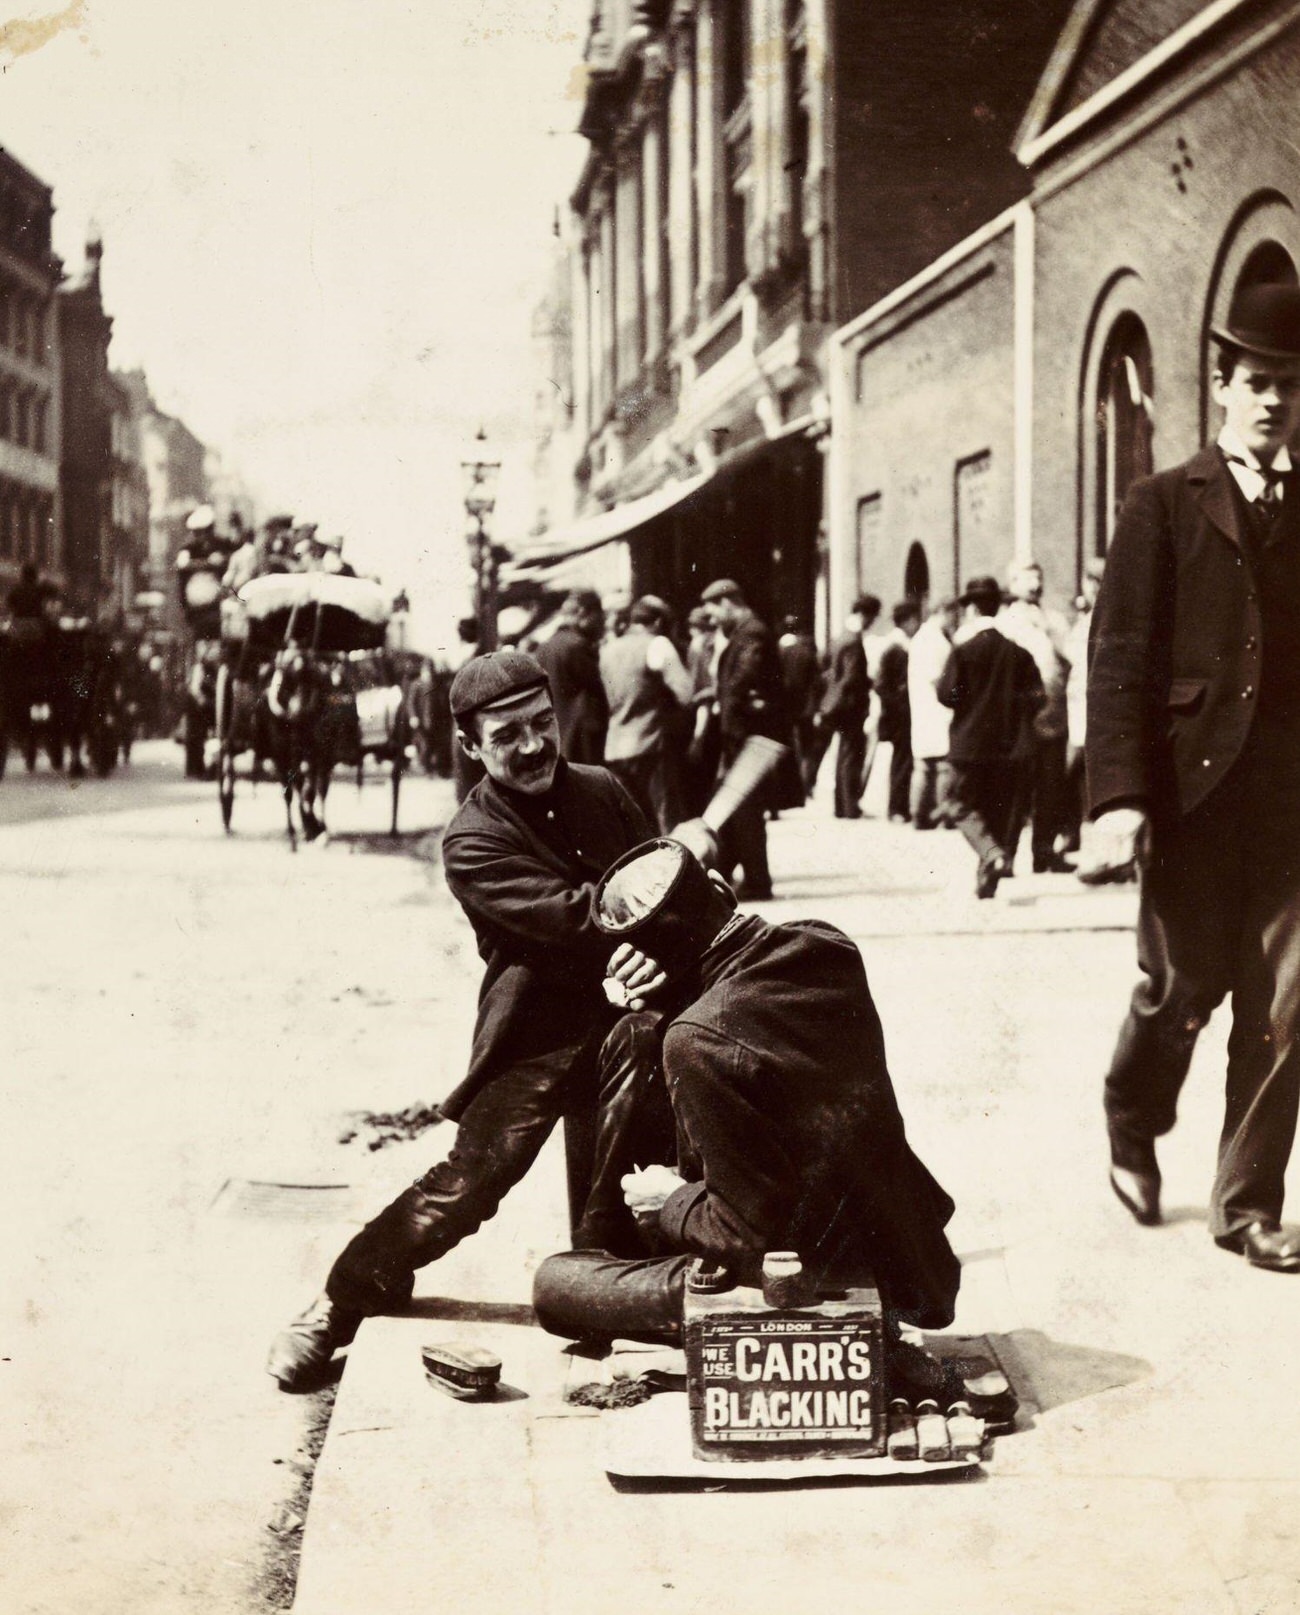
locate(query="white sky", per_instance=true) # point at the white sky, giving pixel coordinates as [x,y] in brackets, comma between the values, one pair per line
[325,225]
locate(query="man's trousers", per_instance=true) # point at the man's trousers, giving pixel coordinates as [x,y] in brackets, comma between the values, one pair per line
[982,805]
[1220,917]
[850,761]
[600,1089]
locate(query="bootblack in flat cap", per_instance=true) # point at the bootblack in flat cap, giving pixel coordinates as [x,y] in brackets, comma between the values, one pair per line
[494,679]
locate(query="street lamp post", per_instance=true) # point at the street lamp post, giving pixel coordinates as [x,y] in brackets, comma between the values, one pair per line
[480,472]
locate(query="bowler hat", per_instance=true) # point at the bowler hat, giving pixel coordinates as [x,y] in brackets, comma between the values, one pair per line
[722,589]
[658,898]
[493,680]
[1264,320]
[980,591]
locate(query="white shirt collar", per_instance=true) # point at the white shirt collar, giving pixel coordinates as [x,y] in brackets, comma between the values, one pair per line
[1231,444]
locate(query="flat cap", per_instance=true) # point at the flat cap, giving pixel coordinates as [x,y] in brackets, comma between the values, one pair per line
[722,589]
[500,676]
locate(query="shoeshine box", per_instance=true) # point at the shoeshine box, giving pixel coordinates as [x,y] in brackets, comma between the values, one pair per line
[764,1382]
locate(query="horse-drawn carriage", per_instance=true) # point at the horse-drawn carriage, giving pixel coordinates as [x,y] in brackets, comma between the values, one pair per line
[60,689]
[305,683]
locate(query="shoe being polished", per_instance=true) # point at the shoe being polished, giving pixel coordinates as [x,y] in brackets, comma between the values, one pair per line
[300,1353]
[1265,1244]
[992,868]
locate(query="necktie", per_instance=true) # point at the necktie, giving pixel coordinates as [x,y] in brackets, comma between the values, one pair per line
[1268,501]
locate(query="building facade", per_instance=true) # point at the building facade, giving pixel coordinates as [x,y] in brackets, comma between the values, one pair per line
[127,573]
[30,428]
[1001,403]
[86,453]
[174,463]
[760,171]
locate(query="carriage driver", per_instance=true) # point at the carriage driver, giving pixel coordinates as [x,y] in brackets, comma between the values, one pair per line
[522,856]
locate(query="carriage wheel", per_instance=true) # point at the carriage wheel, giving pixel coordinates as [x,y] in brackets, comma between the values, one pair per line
[226,782]
[401,739]
[222,722]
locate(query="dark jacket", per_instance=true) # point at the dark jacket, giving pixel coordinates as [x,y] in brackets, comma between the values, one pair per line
[572,663]
[800,675]
[781,1091]
[1176,644]
[751,694]
[848,685]
[994,690]
[525,882]
[891,684]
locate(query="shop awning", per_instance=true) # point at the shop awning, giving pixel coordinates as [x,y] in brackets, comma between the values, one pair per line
[581,537]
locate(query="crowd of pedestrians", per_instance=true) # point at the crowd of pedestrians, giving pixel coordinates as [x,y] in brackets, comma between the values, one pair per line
[973,709]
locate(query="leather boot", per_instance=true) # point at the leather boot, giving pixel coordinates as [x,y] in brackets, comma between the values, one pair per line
[300,1353]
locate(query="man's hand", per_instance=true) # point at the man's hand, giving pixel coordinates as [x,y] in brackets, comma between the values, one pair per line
[646,1190]
[1118,841]
[698,839]
[631,977]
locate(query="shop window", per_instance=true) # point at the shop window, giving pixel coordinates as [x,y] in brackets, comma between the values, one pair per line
[1124,421]
[974,542]
[870,533]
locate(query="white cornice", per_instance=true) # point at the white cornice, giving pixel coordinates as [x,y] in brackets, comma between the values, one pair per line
[1182,41]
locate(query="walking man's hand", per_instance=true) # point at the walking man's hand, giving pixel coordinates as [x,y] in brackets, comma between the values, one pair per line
[1118,842]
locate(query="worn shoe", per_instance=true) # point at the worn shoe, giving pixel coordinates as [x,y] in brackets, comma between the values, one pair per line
[1265,1244]
[300,1353]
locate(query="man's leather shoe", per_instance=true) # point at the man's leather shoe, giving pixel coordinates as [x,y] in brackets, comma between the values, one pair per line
[1138,1193]
[992,869]
[300,1353]
[1265,1244]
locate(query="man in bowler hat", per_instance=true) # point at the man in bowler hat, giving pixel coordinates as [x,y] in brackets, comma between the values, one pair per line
[1193,761]
[993,688]
[522,856]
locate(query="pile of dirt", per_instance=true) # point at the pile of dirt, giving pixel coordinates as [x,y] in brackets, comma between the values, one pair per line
[378,1128]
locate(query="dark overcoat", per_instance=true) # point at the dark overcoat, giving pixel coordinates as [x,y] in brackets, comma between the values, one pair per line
[524,869]
[1175,653]
[751,691]
[848,685]
[572,663]
[994,689]
[780,1088]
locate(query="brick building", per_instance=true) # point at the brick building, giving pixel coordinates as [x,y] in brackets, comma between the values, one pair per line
[86,453]
[30,522]
[759,172]
[1001,402]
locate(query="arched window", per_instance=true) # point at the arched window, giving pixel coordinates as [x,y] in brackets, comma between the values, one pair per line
[1269,263]
[916,575]
[1125,386]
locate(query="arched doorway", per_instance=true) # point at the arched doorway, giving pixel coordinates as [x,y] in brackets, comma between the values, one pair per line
[1124,420]
[916,575]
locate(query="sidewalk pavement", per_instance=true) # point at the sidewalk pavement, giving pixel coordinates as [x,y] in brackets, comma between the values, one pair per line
[1156,1467]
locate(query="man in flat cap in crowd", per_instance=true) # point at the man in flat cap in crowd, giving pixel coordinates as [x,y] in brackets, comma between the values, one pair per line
[571,660]
[1193,762]
[649,693]
[993,688]
[789,1131]
[522,856]
[846,703]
